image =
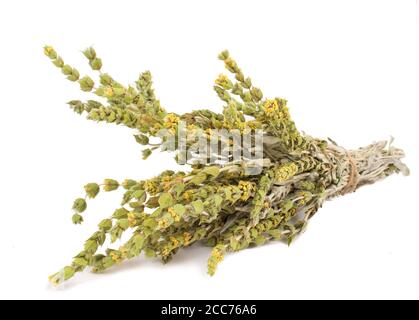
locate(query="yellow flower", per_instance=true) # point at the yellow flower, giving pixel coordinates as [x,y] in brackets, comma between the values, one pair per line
[171,121]
[187,195]
[253,124]
[191,127]
[229,62]
[166,179]
[151,187]
[165,252]
[246,188]
[109,92]
[123,250]
[186,238]
[48,50]
[270,106]
[166,183]
[163,224]
[55,279]
[286,171]
[115,257]
[174,215]
[217,255]
[131,219]
[175,242]
[223,81]
[208,132]
[156,126]
[227,125]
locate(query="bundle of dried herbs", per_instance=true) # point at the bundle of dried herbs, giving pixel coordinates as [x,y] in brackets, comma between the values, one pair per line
[230,199]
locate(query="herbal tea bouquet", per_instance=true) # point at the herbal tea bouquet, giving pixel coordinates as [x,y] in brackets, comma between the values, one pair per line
[234,195]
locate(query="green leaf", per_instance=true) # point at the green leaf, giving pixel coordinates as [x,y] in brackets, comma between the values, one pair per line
[74,76]
[141,139]
[110,185]
[223,55]
[118,91]
[290,239]
[178,188]
[213,171]
[150,223]
[128,183]
[96,260]
[96,63]
[139,240]
[66,69]
[253,232]
[199,178]
[80,262]
[105,79]
[198,206]
[203,193]
[108,262]
[156,213]
[123,224]
[165,200]
[153,202]
[149,253]
[218,200]
[77,106]
[58,62]
[227,193]
[136,204]
[116,233]
[77,219]
[146,153]
[92,189]
[234,244]
[276,234]
[261,193]
[105,224]
[126,197]
[86,84]
[100,91]
[260,240]
[79,205]
[287,205]
[139,194]
[120,213]
[179,209]
[89,53]
[90,246]
[68,272]
[100,237]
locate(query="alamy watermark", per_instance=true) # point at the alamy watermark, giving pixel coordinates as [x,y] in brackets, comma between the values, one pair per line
[216,146]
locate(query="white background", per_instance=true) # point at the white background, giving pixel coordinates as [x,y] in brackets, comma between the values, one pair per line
[349,70]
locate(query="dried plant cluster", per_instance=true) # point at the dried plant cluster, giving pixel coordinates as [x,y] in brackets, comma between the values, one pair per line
[222,205]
